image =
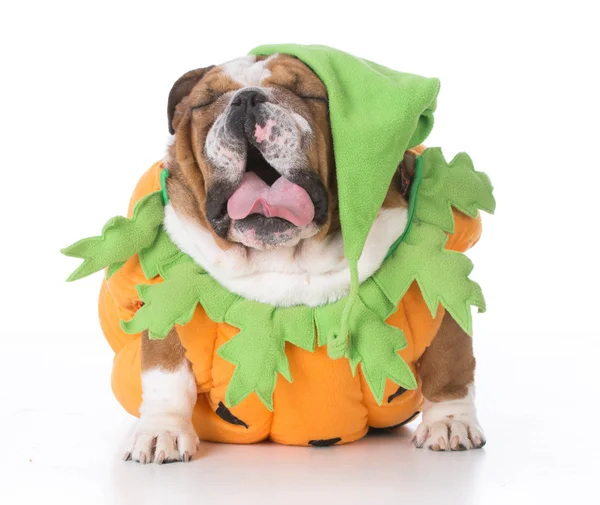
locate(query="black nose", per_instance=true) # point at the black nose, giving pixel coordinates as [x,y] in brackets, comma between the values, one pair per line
[248,99]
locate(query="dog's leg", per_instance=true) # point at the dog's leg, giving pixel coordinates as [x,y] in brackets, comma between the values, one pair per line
[164,431]
[447,372]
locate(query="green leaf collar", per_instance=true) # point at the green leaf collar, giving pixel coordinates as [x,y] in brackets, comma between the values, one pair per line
[257,351]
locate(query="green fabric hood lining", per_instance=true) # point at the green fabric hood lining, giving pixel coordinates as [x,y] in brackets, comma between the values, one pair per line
[164,175]
[257,351]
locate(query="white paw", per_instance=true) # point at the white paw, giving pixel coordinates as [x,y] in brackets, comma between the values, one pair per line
[161,438]
[449,435]
[450,425]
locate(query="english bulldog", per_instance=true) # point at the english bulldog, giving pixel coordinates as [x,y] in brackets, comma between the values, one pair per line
[253,200]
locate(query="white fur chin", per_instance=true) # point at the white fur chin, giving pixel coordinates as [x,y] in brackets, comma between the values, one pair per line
[313,273]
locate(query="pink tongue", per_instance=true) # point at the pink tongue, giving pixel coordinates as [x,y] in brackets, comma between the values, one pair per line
[283,199]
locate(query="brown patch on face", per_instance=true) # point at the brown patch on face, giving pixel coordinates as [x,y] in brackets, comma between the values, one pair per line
[166,354]
[180,90]
[447,367]
[195,180]
[194,114]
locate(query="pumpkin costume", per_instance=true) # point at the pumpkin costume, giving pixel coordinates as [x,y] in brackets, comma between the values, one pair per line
[307,375]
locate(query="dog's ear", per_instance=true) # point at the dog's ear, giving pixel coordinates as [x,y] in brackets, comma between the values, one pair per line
[182,88]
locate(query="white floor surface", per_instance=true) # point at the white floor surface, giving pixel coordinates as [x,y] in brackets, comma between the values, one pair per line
[62,435]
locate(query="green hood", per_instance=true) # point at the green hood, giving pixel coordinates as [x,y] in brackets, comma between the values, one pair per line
[376,114]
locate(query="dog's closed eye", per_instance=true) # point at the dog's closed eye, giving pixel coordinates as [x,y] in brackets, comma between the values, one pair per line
[211,96]
[204,104]
[319,98]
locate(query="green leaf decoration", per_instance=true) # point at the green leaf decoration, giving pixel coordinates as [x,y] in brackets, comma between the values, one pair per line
[442,275]
[446,185]
[160,253]
[121,238]
[173,301]
[373,343]
[258,350]
[382,361]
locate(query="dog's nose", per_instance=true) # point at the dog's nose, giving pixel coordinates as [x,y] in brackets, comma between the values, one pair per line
[249,98]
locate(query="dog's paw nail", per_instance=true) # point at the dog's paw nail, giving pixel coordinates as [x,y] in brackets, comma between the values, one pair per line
[163,438]
[127,456]
[451,435]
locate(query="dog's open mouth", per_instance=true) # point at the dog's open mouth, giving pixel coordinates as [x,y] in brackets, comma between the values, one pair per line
[265,192]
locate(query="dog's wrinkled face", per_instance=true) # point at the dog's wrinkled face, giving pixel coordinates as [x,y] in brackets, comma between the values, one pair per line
[252,158]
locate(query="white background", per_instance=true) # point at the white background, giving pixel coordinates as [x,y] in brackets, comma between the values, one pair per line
[83,113]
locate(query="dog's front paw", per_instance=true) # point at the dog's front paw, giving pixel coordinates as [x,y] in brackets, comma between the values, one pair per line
[161,438]
[450,426]
[449,435]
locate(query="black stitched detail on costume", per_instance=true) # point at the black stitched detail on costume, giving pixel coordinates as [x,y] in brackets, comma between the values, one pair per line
[400,391]
[324,442]
[224,413]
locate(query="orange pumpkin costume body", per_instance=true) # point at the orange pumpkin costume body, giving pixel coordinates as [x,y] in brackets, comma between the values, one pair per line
[324,404]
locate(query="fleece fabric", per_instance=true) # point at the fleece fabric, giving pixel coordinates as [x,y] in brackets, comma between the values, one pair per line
[121,238]
[323,403]
[376,114]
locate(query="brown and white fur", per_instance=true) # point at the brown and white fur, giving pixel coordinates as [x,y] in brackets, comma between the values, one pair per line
[270,116]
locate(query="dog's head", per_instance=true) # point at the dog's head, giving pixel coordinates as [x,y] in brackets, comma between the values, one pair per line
[252,158]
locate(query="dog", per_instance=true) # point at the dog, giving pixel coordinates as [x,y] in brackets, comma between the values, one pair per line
[253,200]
